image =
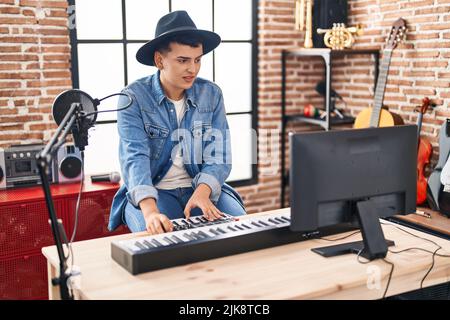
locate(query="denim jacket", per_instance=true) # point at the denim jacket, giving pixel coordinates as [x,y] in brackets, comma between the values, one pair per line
[149,131]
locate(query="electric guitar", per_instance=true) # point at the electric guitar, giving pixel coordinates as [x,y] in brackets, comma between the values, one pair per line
[377,116]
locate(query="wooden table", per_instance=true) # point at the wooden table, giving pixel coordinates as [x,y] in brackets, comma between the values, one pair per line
[291,271]
[438,224]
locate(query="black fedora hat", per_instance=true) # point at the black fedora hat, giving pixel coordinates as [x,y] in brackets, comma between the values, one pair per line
[176,23]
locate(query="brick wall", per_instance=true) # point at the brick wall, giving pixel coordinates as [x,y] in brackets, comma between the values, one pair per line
[35,67]
[420,66]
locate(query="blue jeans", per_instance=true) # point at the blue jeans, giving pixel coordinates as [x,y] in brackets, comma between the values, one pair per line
[172,203]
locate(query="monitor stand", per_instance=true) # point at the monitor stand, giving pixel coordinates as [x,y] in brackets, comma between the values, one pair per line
[373,246]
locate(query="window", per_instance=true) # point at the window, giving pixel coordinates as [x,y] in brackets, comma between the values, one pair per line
[107,36]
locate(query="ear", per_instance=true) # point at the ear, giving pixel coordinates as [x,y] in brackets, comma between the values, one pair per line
[158,60]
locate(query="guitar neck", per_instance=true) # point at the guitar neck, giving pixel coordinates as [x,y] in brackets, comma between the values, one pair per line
[381,87]
[419,127]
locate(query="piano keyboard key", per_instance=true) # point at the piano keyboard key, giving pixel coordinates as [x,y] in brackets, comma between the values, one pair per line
[255,224]
[168,240]
[263,223]
[279,220]
[148,244]
[273,221]
[221,230]
[157,243]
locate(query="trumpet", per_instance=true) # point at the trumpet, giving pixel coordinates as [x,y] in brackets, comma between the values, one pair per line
[340,37]
[303,20]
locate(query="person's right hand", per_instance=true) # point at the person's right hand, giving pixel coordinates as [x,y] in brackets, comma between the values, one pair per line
[157,223]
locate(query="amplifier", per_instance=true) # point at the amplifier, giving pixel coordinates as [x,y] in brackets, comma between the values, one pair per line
[18,166]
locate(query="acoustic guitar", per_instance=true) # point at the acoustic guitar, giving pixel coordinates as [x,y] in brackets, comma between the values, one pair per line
[377,116]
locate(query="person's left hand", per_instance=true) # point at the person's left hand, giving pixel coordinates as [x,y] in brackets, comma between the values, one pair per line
[200,199]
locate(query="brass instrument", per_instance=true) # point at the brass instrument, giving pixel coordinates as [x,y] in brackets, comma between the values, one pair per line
[302,6]
[340,37]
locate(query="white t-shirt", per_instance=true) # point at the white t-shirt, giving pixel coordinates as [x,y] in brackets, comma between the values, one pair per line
[177,176]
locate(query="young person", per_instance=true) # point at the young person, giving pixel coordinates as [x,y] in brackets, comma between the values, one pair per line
[175,151]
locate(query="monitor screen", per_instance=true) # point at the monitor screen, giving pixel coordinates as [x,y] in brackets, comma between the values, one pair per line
[331,172]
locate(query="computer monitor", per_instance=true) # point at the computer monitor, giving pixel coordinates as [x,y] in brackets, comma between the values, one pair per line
[353,177]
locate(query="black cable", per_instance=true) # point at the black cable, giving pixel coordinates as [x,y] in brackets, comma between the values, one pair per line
[421,249]
[77,208]
[97,102]
[390,273]
[415,248]
[389,278]
[342,238]
[368,261]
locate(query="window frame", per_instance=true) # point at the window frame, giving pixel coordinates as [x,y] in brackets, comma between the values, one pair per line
[74,41]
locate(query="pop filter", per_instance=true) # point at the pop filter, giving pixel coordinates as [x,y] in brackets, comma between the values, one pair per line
[64,101]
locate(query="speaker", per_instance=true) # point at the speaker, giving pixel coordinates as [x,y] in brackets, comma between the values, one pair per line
[67,164]
[2,169]
[327,12]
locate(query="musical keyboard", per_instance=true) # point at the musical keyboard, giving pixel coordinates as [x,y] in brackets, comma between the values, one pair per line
[188,245]
[199,221]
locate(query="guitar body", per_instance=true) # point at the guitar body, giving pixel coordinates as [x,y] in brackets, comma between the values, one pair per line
[378,116]
[387,119]
[423,159]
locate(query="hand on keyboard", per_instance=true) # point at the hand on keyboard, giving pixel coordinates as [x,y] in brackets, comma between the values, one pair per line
[200,199]
[157,223]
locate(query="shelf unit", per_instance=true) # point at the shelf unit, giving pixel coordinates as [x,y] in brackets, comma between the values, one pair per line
[327,55]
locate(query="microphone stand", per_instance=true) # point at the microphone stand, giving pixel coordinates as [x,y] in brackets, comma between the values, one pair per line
[74,121]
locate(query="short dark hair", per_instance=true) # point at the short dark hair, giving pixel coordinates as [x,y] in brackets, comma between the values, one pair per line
[189,40]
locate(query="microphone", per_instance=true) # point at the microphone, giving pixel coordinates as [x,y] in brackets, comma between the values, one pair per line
[113,177]
[321,89]
[86,105]
[86,112]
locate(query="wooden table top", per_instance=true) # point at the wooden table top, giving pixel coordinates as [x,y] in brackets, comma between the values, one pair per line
[290,271]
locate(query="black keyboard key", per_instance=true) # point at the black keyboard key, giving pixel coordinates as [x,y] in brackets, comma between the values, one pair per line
[198,235]
[263,223]
[243,224]
[168,240]
[255,224]
[184,222]
[148,244]
[231,228]
[279,220]
[195,236]
[221,230]
[175,224]
[214,232]
[157,243]
[192,221]
[198,220]
[187,236]
[140,245]
[203,234]
[273,221]
[176,239]
[239,227]
[287,219]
